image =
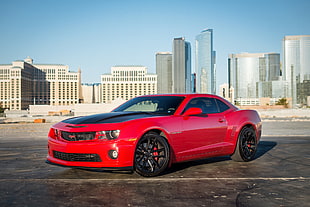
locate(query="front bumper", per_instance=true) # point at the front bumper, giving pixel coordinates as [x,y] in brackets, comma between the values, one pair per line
[94,168]
[91,154]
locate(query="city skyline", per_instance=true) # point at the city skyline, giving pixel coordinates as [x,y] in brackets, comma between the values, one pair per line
[254,78]
[98,35]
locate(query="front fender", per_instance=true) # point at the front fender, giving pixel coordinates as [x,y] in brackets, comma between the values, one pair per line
[167,125]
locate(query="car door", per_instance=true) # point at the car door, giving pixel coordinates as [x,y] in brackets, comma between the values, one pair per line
[202,134]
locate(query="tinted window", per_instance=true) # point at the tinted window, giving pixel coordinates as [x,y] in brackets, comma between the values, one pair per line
[207,105]
[154,104]
[221,105]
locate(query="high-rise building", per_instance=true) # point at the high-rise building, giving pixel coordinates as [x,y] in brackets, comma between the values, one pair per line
[126,82]
[23,83]
[97,93]
[205,63]
[181,66]
[296,67]
[193,87]
[255,75]
[164,72]
[91,93]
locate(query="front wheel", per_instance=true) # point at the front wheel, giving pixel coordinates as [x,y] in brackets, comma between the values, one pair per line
[152,155]
[246,145]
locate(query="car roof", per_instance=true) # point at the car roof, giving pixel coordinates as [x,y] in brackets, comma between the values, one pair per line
[190,95]
[194,95]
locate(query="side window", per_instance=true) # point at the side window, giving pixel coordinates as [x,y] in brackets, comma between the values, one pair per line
[207,105]
[221,105]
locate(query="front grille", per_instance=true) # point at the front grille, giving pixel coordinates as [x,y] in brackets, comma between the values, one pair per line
[77,157]
[78,136]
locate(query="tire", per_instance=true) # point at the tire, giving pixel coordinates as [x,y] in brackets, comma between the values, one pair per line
[246,145]
[152,155]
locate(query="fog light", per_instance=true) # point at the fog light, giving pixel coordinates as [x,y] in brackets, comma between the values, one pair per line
[113,154]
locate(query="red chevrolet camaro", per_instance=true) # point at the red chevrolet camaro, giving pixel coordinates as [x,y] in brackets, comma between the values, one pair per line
[149,133]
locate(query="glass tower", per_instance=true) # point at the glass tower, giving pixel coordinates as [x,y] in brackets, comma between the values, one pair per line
[296,67]
[205,63]
[181,66]
[254,76]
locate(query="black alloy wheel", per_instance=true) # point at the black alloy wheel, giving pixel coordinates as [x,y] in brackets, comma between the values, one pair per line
[152,155]
[246,145]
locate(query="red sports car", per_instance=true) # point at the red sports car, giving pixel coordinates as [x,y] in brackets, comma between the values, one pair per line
[149,133]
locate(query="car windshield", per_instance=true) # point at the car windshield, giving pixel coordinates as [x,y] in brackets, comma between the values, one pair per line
[152,104]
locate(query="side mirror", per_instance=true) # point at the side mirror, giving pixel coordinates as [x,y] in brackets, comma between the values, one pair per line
[192,111]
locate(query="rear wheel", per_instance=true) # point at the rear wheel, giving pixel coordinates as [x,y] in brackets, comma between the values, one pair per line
[152,155]
[246,145]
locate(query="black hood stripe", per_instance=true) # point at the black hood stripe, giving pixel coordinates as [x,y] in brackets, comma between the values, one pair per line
[112,117]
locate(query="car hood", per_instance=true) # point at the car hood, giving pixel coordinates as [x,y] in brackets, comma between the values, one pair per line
[112,117]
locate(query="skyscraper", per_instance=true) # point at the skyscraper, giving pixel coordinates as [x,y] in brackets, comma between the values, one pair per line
[91,93]
[164,72]
[205,63]
[296,67]
[253,76]
[181,66]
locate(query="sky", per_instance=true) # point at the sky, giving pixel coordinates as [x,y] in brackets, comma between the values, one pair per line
[95,35]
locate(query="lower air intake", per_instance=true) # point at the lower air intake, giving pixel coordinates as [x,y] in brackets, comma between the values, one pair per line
[77,157]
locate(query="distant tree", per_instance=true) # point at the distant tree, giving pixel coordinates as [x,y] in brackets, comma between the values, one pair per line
[282,102]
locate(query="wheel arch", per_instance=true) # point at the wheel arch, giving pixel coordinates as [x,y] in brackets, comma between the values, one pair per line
[239,129]
[159,131]
[241,126]
[246,118]
[161,135]
[247,125]
[237,155]
[164,134]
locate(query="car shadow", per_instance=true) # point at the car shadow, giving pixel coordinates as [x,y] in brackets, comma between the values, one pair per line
[263,148]
[73,173]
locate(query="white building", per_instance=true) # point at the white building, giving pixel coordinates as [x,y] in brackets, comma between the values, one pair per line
[224,90]
[91,93]
[126,82]
[24,83]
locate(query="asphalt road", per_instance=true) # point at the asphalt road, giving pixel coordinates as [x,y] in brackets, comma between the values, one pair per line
[279,176]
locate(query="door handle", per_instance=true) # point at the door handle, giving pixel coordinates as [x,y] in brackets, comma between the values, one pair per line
[221,120]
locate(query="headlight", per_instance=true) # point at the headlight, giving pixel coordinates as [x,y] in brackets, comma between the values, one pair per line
[109,135]
[114,134]
[53,133]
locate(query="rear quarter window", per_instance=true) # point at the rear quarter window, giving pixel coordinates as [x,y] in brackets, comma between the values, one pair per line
[221,105]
